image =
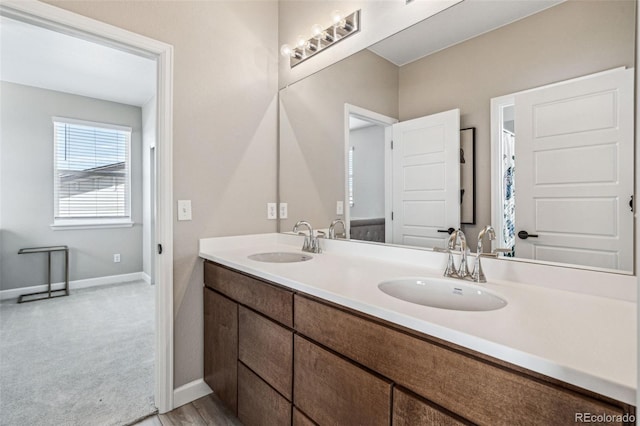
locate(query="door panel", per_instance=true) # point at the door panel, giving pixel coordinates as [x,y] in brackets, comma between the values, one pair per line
[426,179]
[574,175]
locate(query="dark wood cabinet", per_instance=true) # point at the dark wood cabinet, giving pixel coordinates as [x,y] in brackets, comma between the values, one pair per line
[267,349]
[300,419]
[271,300]
[221,347]
[278,357]
[411,410]
[480,391]
[331,390]
[258,403]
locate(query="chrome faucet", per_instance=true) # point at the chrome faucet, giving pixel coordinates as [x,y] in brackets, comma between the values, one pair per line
[311,243]
[332,228]
[477,275]
[463,270]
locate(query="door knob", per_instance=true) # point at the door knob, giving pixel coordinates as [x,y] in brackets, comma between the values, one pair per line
[448,231]
[523,235]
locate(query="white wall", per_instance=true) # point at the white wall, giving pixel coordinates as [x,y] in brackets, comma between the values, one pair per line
[368,166]
[225,131]
[27,190]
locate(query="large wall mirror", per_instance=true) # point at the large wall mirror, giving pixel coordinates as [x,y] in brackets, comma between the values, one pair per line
[526,125]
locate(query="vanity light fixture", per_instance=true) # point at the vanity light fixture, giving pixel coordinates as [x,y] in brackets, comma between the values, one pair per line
[322,38]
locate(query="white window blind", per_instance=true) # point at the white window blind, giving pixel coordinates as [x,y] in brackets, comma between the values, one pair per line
[92,170]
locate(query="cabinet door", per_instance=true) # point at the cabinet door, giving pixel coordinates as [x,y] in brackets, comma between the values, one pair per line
[221,347]
[331,390]
[267,349]
[258,403]
[411,410]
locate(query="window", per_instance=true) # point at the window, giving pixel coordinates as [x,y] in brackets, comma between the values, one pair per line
[91,173]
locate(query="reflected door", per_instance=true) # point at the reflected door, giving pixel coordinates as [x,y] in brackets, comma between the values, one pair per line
[426,179]
[574,174]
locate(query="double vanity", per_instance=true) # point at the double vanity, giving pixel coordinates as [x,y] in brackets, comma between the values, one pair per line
[371,334]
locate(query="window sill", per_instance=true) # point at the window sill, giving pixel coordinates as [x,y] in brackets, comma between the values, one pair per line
[90,224]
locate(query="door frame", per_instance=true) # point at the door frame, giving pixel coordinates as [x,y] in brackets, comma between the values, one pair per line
[80,26]
[386,122]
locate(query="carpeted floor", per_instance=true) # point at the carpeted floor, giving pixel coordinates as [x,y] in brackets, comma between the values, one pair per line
[86,359]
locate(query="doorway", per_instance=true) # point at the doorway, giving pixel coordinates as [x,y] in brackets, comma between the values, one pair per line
[50,17]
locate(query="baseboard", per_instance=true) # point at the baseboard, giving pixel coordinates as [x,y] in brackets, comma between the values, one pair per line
[190,392]
[14,293]
[146,277]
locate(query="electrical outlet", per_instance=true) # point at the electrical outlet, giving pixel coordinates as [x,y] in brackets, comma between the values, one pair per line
[284,211]
[340,207]
[116,258]
[272,211]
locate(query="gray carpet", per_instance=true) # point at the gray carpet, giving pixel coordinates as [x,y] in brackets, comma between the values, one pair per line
[85,359]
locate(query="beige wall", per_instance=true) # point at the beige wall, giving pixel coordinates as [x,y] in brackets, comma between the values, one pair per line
[569,40]
[225,91]
[312,132]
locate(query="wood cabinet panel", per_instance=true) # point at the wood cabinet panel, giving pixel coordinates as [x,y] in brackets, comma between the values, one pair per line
[258,403]
[299,419]
[331,390]
[221,347]
[409,410]
[266,348]
[479,391]
[274,302]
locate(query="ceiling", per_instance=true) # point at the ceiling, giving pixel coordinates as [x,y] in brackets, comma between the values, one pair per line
[460,22]
[39,57]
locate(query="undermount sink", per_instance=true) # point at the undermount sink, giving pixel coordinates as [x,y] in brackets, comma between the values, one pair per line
[280,257]
[443,293]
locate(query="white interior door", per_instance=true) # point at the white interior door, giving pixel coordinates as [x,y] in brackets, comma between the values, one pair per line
[574,173]
[426,179]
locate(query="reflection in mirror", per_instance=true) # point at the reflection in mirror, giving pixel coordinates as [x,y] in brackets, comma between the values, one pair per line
[564,42]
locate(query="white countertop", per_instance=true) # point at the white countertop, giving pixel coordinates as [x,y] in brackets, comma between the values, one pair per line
[585,340]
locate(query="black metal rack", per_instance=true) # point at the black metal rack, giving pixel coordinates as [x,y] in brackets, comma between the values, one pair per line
[49,293]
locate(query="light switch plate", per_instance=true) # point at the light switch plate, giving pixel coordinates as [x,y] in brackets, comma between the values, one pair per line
[184,209]
[284,210]
[272,211]
[340,207]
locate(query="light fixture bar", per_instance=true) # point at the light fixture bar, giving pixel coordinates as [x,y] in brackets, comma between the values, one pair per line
[323,39]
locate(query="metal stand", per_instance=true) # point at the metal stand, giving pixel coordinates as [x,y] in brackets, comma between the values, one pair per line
[49,292]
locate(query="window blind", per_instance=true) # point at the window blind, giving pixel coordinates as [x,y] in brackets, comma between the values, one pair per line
[92,167]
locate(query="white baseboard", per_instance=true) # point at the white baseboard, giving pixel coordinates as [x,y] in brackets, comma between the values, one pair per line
[190,392]
[14,293]
[146,277]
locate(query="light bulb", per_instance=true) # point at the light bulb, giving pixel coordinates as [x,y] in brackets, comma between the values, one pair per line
[317,31]
[336,17]
[285,50]
[301,42]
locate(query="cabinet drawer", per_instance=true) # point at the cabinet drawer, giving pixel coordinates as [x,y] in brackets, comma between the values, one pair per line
[409,410]
[267,349]
[479,391]
[258,403]
[331,390]
[221,347]
[268,299]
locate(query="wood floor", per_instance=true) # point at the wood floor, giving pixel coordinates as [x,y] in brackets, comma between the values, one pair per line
[207,410]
